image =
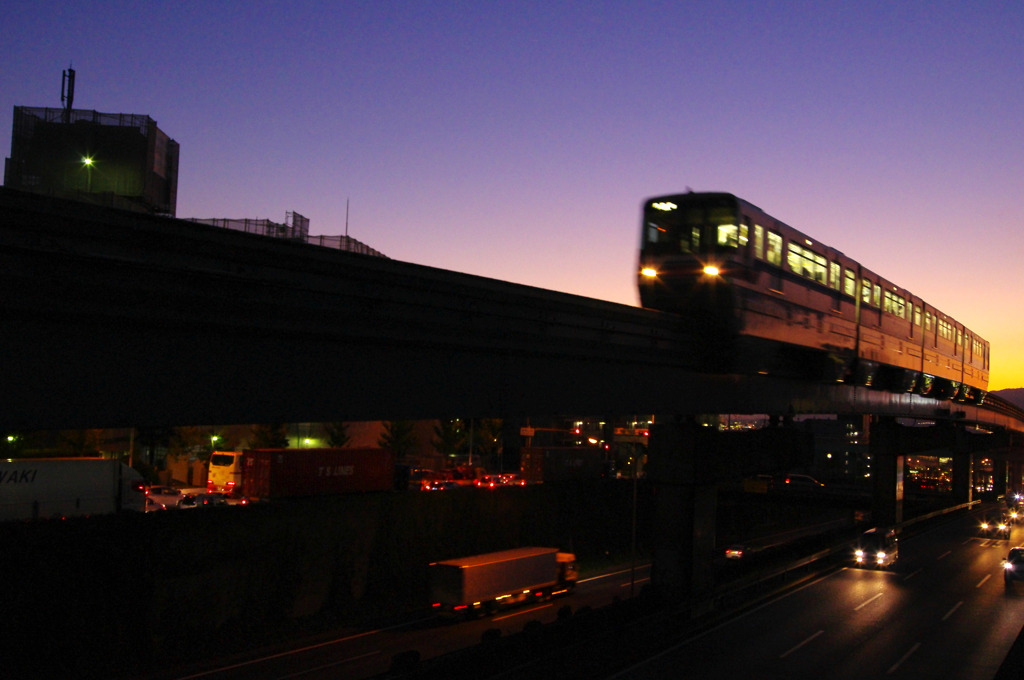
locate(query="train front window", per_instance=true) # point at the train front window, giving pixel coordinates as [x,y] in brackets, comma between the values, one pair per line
[696,227]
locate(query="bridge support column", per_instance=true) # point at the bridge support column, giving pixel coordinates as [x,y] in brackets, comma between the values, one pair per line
[684,514]
[999,474]
[963,465]
[887,472]
[1014,474]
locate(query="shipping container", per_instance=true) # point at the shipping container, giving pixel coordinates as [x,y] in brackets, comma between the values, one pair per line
[292,473]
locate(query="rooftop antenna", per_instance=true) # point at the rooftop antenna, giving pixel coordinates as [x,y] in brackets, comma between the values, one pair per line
[346,219]
[67,92]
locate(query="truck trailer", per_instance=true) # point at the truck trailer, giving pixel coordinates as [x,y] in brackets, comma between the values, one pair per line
[292,473]
[484,583]
[41,488]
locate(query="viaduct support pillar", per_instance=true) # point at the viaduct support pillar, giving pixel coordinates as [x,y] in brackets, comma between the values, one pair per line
[684,514]
[999,474]
[887,472]
[963,464]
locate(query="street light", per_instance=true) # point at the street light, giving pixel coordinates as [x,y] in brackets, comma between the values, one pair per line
[213,442]
[87,162]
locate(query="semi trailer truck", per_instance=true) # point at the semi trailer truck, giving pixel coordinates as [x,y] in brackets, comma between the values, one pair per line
[487,582]
[42,488]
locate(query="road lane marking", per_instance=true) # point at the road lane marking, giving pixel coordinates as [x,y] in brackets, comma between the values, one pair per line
[950,612]
[982,581]
[520,613]
[913,574]
[865,604]
[329,665]
[289,652]
[945,554]
[892,669]
[729,622]
[785,654]
[614,573]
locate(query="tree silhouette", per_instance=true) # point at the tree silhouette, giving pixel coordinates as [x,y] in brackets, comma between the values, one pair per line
[398,437]
[337,434]
[270,436]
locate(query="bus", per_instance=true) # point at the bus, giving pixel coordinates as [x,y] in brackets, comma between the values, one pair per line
[225,472]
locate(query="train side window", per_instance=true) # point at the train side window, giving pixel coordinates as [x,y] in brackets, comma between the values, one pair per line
[834,275]
[728,235]
[895,305]
[759,241]
[877,299]
[850,284]
[917,316]
[865,292]
[774,255]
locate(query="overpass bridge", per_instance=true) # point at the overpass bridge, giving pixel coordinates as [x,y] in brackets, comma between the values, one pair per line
[120,319]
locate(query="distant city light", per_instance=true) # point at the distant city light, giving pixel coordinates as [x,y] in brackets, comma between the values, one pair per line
[86,160]
[649,272]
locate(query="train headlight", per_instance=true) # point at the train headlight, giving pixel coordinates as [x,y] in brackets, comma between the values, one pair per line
[711,270]
[649,272]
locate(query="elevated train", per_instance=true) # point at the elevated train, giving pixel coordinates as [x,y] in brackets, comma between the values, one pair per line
[763,297]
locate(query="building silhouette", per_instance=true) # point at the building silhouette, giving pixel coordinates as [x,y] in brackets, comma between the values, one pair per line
[120,160]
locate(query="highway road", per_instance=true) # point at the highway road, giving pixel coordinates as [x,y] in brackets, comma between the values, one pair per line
[365,654]
[943,611]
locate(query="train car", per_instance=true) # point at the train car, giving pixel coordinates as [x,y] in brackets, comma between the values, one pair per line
[763,297]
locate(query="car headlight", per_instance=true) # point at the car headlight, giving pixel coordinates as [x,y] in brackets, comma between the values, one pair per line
[859,553]
[984,525]
[1007,565]
[880,555]
[1002,527]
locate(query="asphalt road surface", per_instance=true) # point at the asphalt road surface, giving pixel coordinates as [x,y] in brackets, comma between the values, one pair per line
[943,611]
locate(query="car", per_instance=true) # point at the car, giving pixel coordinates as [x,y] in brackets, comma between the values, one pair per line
[798,482]
[1013,565]
[878,548]
[202,500]
[489,481]
[166,495]
[154,505]
[442,485]
[994,527]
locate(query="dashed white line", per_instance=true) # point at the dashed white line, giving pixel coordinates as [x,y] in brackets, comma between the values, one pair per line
[519,613]
[982,581]
[950,612]
[326,666]
[945,554]
[892,669]
[913,574]
[785,654]
[865,604]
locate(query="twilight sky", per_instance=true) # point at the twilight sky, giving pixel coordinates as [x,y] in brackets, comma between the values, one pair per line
[516,140]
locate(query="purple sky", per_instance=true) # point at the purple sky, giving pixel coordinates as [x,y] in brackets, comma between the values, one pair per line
[516,140]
